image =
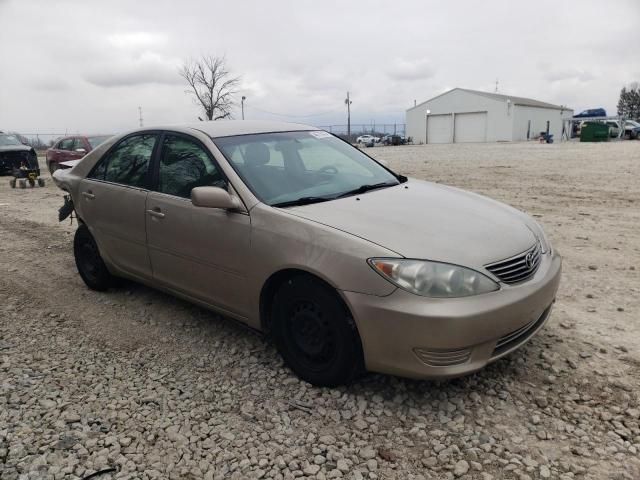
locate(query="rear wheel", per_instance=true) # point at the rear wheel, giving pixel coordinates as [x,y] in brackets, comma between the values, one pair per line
[314,332]
[89,262]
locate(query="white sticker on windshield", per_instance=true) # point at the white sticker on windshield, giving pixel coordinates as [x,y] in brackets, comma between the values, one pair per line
[321,134]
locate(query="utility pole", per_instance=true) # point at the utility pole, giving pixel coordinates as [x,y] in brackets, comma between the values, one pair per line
[496,85]
[140,116]
[348,104]
[242,105]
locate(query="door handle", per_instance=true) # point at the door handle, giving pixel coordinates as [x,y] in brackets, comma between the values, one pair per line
[88,195]
[156,213]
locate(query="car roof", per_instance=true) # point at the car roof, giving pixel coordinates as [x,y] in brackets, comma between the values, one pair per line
[228,128]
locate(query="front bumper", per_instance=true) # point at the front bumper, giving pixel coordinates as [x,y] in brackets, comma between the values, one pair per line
[418,337]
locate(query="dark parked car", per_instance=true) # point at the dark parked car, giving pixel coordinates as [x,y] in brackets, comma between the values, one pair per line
[72,148]
[592,112]
[14,154]
[393,140]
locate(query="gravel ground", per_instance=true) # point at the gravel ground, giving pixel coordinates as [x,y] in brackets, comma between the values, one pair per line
[157,388]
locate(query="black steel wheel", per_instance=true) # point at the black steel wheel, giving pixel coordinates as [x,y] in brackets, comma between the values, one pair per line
[89,262]
[314,332]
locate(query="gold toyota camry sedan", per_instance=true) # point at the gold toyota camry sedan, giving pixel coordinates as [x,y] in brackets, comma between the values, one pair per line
[346,264]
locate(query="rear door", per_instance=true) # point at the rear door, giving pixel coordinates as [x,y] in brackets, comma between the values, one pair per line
[198,251]
[112,203]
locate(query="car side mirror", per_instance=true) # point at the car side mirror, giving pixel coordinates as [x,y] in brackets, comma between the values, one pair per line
[81,150]
[214,197]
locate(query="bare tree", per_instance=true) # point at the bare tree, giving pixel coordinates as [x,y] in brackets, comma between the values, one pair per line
[211,85]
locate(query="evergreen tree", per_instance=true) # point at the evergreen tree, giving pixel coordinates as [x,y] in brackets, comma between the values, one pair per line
[629,102]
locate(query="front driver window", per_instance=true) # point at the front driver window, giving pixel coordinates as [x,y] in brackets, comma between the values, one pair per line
[184,165]
[128,162]
[66,144]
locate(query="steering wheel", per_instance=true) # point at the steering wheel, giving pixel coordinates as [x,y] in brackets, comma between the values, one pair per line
[328,169]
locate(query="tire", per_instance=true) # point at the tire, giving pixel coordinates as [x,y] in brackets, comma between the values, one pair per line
[32,182]
[90,265]
[40,182]
[315,333]
[12,183]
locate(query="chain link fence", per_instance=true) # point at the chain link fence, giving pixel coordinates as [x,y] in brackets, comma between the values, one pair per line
[357,129]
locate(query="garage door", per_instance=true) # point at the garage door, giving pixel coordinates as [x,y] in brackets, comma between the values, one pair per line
[470,127]
[439,128]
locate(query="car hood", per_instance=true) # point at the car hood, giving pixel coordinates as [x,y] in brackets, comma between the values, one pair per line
[15,148]
[425,220]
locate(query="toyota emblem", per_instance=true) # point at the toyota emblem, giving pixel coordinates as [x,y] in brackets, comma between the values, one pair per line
[528,260]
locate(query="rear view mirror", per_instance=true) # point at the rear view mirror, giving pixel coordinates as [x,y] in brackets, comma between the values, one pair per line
[81,150]
[214,197]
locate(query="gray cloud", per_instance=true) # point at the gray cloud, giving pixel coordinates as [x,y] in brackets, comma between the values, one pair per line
[406,69]
[569,74]
[50,84]
[144,70]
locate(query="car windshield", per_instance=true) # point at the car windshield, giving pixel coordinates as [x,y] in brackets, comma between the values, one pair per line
[97,140]
[633,123]
[289,168]
[9,140]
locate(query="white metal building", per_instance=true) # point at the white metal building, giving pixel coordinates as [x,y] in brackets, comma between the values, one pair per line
[462,115]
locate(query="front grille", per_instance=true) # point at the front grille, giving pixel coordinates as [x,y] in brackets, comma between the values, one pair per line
[442,358]
[519,268]
[521,335]
[10,160]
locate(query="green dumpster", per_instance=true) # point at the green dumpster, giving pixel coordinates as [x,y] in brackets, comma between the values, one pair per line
[594,132]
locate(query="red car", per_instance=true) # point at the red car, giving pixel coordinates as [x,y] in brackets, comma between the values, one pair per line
[72,148]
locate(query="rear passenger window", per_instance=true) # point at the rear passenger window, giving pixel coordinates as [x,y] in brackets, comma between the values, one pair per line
[128,162]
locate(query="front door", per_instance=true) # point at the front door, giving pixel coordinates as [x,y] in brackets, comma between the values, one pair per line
[200,252]
[112,202]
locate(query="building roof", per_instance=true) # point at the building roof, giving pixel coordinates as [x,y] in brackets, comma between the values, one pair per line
[226,128]
[529,102]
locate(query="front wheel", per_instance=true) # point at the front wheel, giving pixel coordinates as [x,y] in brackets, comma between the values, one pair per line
[89,262]
[315,334]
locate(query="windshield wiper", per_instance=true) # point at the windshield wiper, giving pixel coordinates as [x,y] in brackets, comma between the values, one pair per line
[302,201]
[366,188]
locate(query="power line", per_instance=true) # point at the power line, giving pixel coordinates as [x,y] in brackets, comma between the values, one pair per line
[293,116]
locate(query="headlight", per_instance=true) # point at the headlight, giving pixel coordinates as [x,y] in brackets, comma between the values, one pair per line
[433,279]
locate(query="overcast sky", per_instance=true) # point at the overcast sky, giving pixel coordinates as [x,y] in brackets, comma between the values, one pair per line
[87,65]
